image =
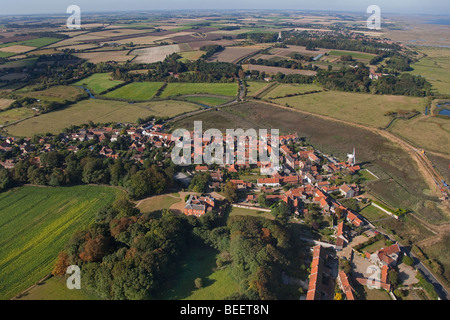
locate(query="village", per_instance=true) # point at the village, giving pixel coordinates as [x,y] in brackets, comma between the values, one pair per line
[311,187]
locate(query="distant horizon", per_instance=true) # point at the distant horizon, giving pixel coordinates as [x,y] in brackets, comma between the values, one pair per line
[51,7]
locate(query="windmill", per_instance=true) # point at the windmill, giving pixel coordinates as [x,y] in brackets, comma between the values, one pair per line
[351,158]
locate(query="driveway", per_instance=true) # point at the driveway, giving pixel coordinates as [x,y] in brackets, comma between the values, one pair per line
[407,274]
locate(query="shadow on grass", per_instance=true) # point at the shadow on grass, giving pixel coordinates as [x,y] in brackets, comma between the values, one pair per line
[197,262]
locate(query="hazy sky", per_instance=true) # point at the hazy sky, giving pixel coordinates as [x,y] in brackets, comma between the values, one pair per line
[59,6]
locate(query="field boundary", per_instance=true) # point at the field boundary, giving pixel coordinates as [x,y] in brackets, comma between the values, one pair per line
[19,295]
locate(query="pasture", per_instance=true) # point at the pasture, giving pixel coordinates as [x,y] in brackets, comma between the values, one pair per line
[365,109]
[55,288]
[5,103]
[98,82]
[136,91]
[208,101]
[284,89]
[426,132]
[35,43]
[36,223]
[355,55]
[12,115]
[99,111]
[255,87]
[200,262]
[435,67]
[157,203]
[56,94]
[221,89]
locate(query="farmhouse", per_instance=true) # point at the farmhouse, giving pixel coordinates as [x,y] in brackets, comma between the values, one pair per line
[268,182]
[347,191]
[198,206]
[386,256]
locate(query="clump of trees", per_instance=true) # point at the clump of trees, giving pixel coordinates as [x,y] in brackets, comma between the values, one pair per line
[129,255]
[126,255]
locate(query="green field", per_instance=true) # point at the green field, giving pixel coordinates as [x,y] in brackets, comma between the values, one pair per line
[249,212]
[38,42]
[98,111]
[200,262]
[55,288]
[136,91]
[98,82]
[56,94]
[435,67]
[287,89]
[6,54]
[191,55]
[208,101]
[355,55]
[35,224]
[366,109]
[12,115]
[372,213]
[157,203]
[221,89]
[427,132]
[24,63]
[253,87]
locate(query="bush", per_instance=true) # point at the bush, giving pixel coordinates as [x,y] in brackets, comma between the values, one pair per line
[408,260]
[198,283]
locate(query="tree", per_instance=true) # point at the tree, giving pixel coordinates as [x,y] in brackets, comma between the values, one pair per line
[198,282]
[262,200]
[56,178]
[95,248]
[61,264]
[230,192]
[5,179]
[281,211]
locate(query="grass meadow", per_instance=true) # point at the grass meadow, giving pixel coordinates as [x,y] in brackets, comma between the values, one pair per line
[12,115]
[284,89]
[136,91]
[221,89]
[56,94]
[36,223]
[254,87]
[98,111]
[435,67]
[200,262]
[365,109]
[208,101]
[429,133]
[355,55]
[98,82]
